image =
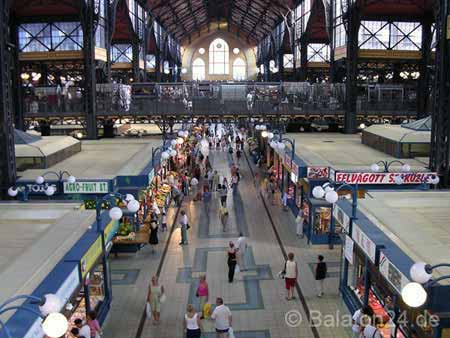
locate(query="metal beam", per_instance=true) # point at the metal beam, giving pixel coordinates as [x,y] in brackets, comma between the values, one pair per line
[261,18]
[423,85]
[7,151]
[87,22]
[440,131]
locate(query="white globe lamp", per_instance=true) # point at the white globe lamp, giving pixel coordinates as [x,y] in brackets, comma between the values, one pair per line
[281,145]
[115,213]
[331,197]
[71,179]
[270,135]
[39,180]
[264,134]
[129,197]
[173,153]
[165,155]
[55,325]
[49,191]
[173,143]
[398,180]
[13,192]
[181,133]
[133,206]
[186,133]
[52,303]
[433,180]
[375,168]
[418,273]
[180,140]
[406,168]
[414,295]
[318,192]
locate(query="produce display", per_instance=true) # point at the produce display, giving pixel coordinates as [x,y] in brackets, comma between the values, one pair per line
[161,195]
[125,228]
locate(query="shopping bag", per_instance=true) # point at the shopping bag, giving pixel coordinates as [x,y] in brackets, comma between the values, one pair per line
[206,310]
[148,310]
[231,333]
[163,298]
[237,269]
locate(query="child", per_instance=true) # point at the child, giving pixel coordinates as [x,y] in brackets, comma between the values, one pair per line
[164,221]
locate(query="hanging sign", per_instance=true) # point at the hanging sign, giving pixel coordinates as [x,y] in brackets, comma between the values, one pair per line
[91,256]
[317,172]
[393,275]
[288,161]
[364,242]
[34,188]
[69,286]
[86,188]
[35,330]
[382,178]
[341,217]
[348,249]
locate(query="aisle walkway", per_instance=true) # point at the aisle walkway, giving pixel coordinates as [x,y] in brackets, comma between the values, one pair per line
[256,298]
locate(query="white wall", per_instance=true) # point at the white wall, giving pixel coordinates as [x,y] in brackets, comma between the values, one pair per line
[247,53]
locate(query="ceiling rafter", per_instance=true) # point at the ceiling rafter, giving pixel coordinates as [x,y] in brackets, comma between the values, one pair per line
[262,16]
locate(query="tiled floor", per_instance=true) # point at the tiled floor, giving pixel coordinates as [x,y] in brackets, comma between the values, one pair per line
[257,296]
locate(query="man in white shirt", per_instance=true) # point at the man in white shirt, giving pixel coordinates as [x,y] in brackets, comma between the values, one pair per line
[222,317]
[241,245]
[369,328]
[184,226]
[357,320]
[84,330]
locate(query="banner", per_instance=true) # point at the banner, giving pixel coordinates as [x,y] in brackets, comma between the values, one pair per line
[86,188]
[348,249]
[91,256]
[392,274]
[317,172]
[382,178]
[364,242]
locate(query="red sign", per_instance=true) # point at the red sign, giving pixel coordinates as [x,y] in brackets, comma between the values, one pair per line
[287,161]
[317,172]
[382,178]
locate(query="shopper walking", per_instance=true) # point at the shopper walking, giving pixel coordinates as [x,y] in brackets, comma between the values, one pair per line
[223,214]
[184,224]
[241,245]
[215,180]
[155,292]
[223,193]
[84,329]
[206,198]
[94,325]
[238,154]
[202,292]
[231,253]
[290,275]
[321,274]
[192,323]
[153,239]
[369,327]
[299,220]
[223,319]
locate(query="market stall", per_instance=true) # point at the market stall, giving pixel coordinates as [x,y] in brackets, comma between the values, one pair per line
[379,252]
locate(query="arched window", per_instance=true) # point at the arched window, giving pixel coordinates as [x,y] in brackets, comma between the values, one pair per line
[219,57]
[239,70]
[198,69]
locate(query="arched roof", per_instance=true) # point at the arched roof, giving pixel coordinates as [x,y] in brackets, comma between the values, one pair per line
[251,19]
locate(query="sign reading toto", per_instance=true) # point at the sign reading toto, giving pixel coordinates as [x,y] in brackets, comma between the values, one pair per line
[381,178]
[86,188]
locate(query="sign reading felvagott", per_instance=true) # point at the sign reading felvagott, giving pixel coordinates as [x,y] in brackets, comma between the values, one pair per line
[86,188]
[382,178]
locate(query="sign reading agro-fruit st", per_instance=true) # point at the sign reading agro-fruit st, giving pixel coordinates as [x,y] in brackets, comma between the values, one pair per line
[86,188]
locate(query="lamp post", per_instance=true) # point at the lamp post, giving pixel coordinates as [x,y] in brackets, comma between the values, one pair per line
[13,191]
[387,164]
[54,324]
[115,212]
[415,294]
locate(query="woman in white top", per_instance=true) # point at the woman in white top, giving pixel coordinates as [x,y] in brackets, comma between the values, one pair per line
[290,275]
[192,323]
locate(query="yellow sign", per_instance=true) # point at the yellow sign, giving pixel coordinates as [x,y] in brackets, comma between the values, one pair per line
[107,232]
[91,256]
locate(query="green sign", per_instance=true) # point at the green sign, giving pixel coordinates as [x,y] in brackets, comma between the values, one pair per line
[86,188]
